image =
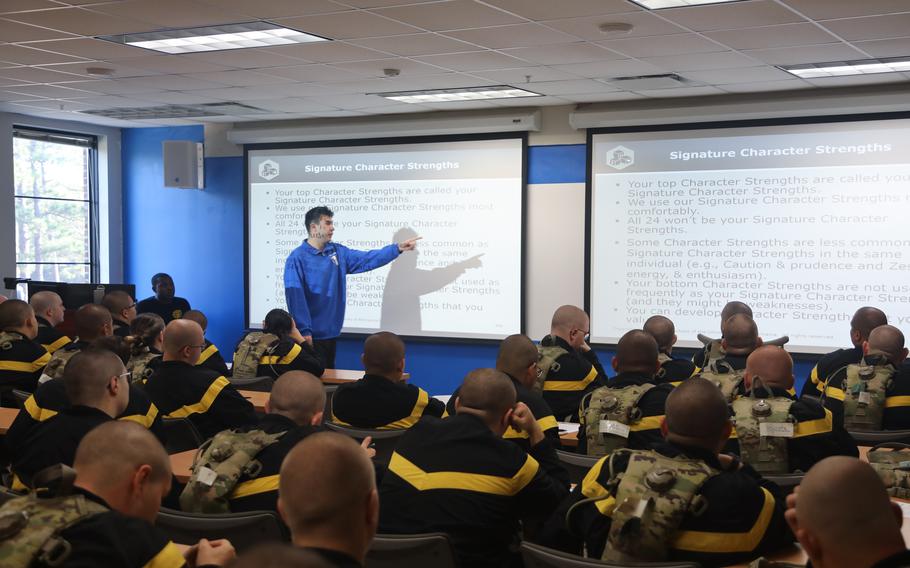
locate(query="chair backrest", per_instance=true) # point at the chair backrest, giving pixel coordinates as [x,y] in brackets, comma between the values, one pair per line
[20,396]
[181,435]
[536,556]
[577,465]
[261,384]
[384,441]
[244,530]
[329,393]
[786,481]
[410,551]
[872,438]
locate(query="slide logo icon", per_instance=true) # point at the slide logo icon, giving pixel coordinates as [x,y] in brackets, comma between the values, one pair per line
[268,170]
[620,158]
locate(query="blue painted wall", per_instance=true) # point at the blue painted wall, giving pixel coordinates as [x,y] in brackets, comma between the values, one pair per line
[197,237]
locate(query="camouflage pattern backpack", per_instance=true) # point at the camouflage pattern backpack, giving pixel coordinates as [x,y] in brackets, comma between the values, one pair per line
[727,379]
[140,366]
[763,426]
[865,389]
[662,358]
[893,467]
[609,417]
[653,497]
[59,359]
[218,465]
[252,347]
[714,351]
[7,339]
[546,362]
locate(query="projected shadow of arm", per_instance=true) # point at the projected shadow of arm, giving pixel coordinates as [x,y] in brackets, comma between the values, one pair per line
[406,283]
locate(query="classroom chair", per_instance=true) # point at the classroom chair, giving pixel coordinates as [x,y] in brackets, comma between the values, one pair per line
[410,551]
[536,556]
[244,530]
[384,441]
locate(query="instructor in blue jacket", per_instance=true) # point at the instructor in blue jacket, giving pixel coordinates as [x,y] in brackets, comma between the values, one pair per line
[315,280]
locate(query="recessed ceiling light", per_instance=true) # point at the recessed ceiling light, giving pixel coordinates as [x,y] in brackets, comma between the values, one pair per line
[466,94]
[661,4]
[845,68]
[215,38]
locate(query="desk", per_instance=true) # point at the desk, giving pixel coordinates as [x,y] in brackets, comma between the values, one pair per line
[568,434]
[258,398]
[182,465]
[7,415]
[341,376]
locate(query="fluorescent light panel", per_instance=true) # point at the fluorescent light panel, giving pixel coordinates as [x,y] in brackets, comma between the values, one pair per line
[466,94]
[661,4]
[846,68]
[215,38]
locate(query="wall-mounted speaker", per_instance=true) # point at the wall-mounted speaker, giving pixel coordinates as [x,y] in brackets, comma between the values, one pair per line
[183,164]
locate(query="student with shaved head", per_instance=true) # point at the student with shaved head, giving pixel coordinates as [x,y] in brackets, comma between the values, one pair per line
[210,357]
[864,321]
[458,476]
[671,369]
[92,321]
[123,309]
[571,367]
[381,399]
[810,433]
[883,406]
[22,359]
[728,513]
[628,411]
[49,312]
[180,389]
[715,349]
[843,518]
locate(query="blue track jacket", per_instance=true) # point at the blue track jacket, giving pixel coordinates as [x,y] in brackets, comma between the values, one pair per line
[315,284]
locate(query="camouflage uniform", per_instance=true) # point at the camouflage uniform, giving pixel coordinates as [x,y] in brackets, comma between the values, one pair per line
[21,361]
[896,415]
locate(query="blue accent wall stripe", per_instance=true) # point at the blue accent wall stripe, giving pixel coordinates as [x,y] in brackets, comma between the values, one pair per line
[557,164]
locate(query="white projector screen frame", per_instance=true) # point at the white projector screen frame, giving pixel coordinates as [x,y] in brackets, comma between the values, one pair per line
[642,204]
[489,286]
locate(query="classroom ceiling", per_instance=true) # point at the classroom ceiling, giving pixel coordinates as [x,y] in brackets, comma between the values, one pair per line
[552,47]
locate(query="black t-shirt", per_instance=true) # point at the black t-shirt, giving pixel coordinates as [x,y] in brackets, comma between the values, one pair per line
[169,311]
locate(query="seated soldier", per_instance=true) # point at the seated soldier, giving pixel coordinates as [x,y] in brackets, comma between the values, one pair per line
[122,473]
[210,357]
[327,497]
[843,517]
[458,476]
[123,310]
[631,406]
[97,387]
[517,358]
[864,321]
[740,339]
[146,341]
[715,349]
[293,412]
[873,394]
[49,312]
[277,349]
[664,333]
[569,367]
[803,431]
[708,507]
[92,321]
[22,359]
[164,303]
[381,399]
[181,390]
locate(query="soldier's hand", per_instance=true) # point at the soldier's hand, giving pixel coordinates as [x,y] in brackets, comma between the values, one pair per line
[727,461]
[365,444]
[409,244]
[523,420]
[308,339]
[790,513]
[213,553]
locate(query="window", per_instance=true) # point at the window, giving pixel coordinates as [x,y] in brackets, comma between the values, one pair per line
[56,205]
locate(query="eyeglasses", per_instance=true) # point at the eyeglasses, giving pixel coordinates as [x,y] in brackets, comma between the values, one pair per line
[127,375]
[195,346]
[131,306]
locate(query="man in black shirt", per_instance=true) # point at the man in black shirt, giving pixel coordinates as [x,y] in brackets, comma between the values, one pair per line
[49,312]
[210,357]
[664,333]
[164,303]
[22,360]
[123,310]
[327,497]
[715,349]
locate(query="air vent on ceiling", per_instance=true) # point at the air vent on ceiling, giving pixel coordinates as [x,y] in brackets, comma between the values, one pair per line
[643,82]
[177,111]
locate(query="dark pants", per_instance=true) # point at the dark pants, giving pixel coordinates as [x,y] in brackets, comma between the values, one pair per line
[325,348]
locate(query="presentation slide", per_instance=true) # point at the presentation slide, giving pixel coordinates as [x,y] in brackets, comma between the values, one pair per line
[464,198]
[805,223]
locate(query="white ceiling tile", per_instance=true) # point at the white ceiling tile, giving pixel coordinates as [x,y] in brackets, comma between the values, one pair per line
[353,101]
[241,78]
[827,9]
[109,87]
[292,105]
[444,81]
[415,44]
[276,8]
[739,75]
[23,55]
[675,44]
[38,75]
[13,32]
[526,76]
[784,35]
[473,61]
[536,101]
[620,68]
[562,53]
[449,15]
[82,21]
[7,83]
[578,86]
[876,79]
[644,24]
[13,96]
[763,86]
[172,64]
[896,47]
[681,92]
[170,13]
[112,101]
[699,61]
[116,70]
[51,91]
[325,52]
[517,35]
[175,98]
[407,67]
[459,105]
[313,73]
[806,54]
[601,97]
[10,6]
[731,16]
[348,25]
[566,9]
[243,93]
[59,105]
[171,83]
[245,58]
[872,27]
[90,48]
